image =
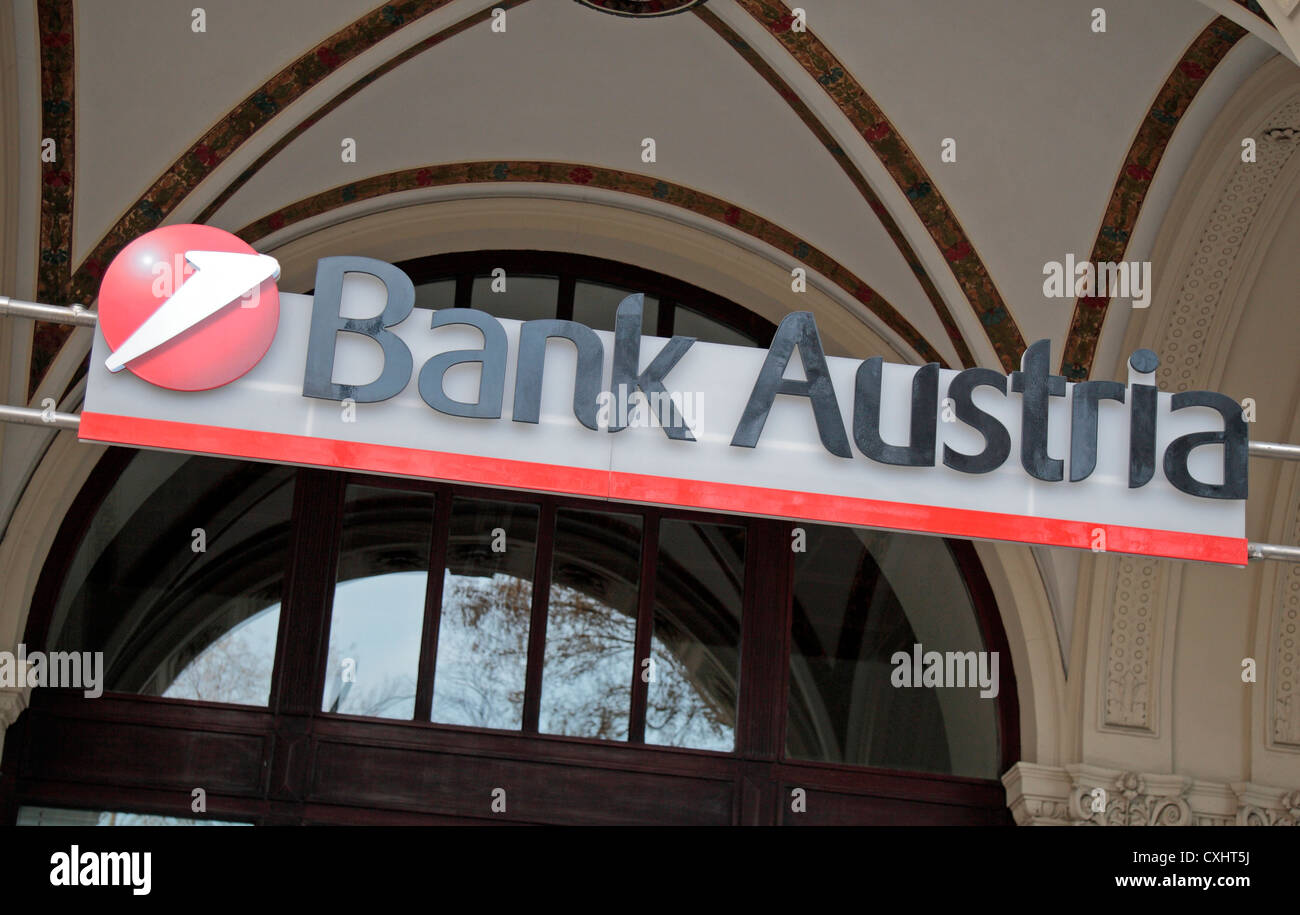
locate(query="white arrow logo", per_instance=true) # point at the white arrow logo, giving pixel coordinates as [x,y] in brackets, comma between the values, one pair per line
[219,278]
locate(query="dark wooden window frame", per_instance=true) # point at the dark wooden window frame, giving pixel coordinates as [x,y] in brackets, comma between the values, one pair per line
[570,269]
[292,763]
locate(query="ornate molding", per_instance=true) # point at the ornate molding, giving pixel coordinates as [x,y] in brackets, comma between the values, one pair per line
[1038,795]
[1284,652]
[1128,799]
[1130,684]
[1188,336]
[1196,318]
[1285,813]
[1085,795]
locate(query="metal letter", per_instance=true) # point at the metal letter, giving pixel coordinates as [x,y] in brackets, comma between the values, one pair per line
[326,324]
[532,358]
[796,329]
[866,416]
[492,375]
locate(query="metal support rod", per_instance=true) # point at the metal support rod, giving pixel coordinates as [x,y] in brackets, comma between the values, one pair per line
[29,416]
[1273,551]
[1275,450]
[51,314]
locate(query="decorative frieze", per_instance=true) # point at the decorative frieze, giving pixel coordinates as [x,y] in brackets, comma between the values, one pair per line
[1084,795]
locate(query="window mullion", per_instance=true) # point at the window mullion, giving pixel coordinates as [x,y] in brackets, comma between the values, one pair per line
[308,593]
[665,322]
[764,641]
[464,290]
[433,606]
[564,302]
[537,620]
[644,626]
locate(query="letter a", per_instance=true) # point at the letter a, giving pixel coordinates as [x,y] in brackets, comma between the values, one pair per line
[797,329]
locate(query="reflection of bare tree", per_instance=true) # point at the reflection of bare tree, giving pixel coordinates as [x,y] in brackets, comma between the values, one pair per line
[482,662]
[682,712]
[392,696]
[482,651]
[586,686]
[235,667]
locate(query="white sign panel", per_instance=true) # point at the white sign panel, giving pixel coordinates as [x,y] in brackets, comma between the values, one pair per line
[807,453]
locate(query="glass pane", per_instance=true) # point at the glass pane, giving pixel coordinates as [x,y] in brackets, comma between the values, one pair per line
[178,579]
[596,304]
[591,624]
[234,667]
[524,298]
[699,590]
[378,616]
[435,295]
[487,597]
[690,323]
[59,816]
[860,597]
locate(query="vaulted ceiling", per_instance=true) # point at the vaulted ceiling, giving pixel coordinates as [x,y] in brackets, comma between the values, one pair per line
[926,158]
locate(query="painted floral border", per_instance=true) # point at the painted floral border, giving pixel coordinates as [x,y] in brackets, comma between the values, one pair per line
[55,282]
[611,179]
[906,170]
[854,174]
[1253,6]
[58,122]
[384,68]
[1205,53]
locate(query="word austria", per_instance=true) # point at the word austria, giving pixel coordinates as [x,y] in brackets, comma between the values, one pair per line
[1106,279]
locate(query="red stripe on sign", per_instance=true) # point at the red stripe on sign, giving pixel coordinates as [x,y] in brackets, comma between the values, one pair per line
[633,487]
[326,452]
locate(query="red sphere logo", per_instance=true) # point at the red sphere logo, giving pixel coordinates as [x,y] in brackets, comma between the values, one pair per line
[173,311]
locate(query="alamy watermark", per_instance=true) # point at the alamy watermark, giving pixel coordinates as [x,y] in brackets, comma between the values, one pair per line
[82,670]
[671,410]
[946,669]
[103,868]
[1124,280]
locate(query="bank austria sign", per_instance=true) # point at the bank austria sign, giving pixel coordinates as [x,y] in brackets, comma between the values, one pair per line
[356,377]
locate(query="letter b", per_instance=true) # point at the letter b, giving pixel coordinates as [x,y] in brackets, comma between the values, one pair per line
[326,322]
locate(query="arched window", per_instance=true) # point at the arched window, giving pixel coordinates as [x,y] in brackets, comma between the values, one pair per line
[317,646]
[541,284]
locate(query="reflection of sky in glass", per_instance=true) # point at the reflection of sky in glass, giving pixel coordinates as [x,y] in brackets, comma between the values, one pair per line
[58,816]
[235,667]
[376,623]
[587,675]
[678,713]
[482,661]
[482,651]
